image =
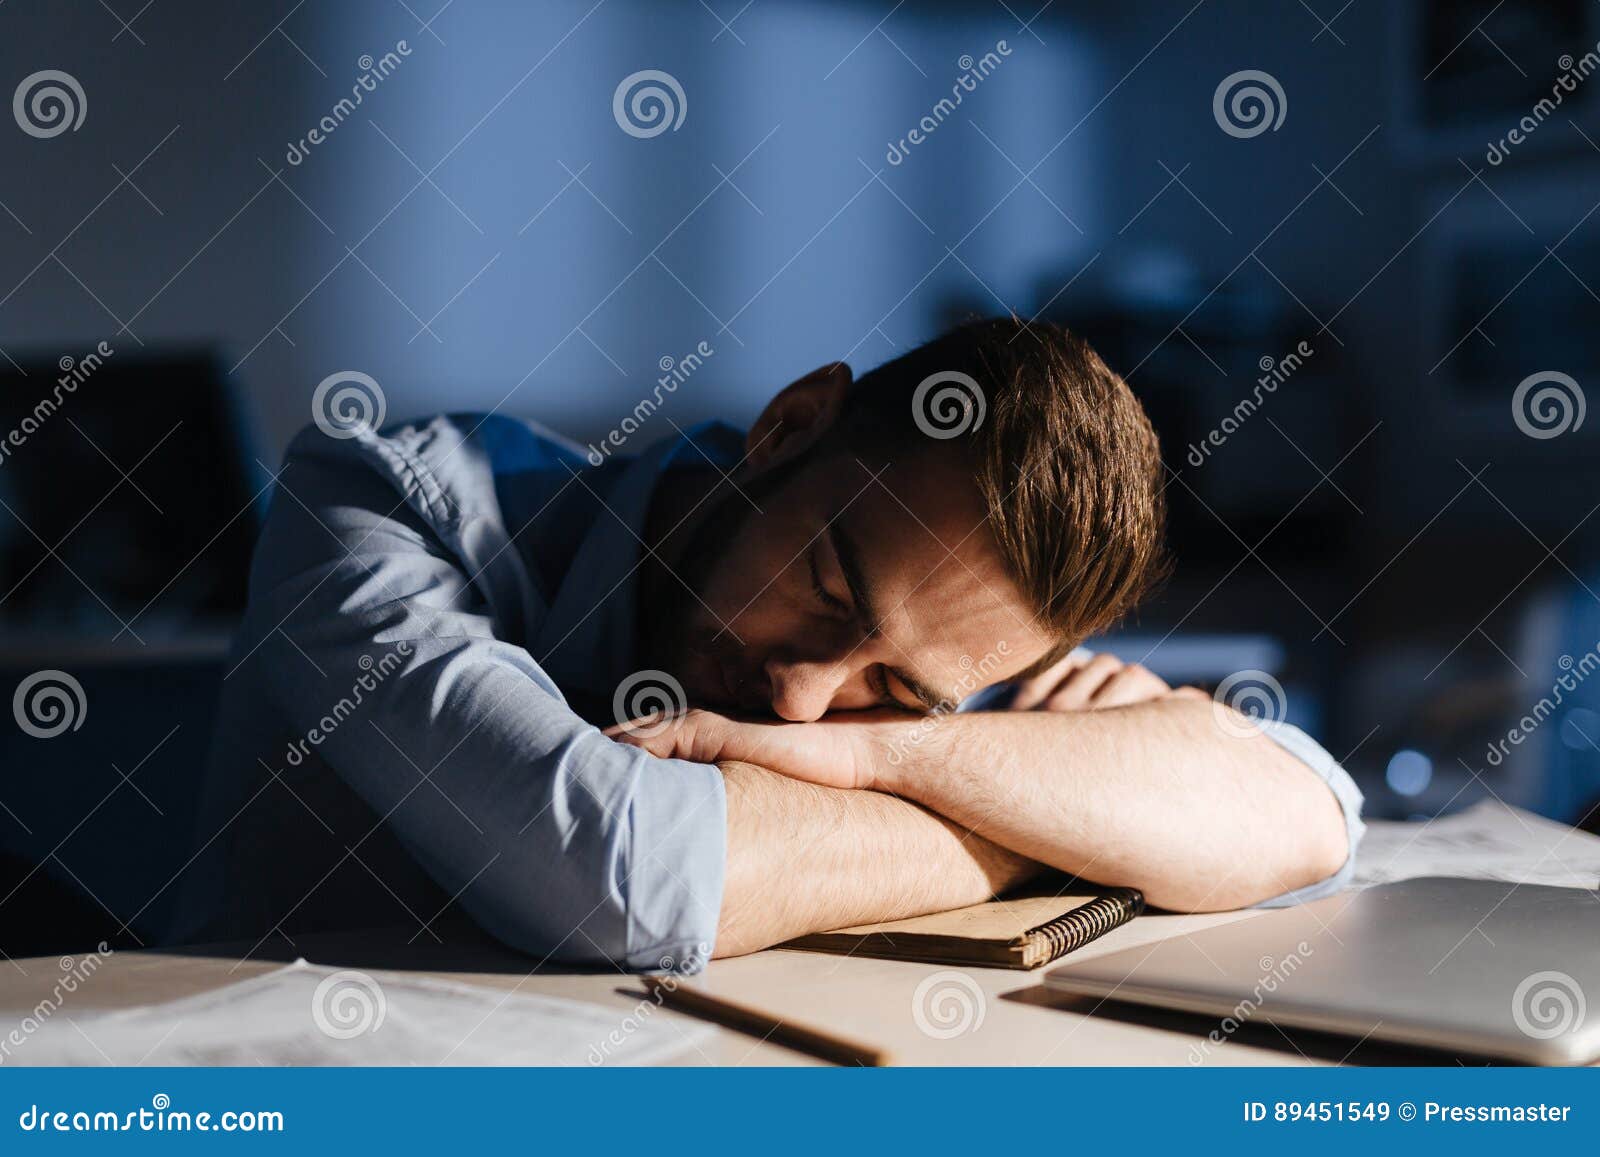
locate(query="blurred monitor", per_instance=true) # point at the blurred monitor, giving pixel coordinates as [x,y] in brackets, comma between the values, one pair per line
[125,499]
[1470,69]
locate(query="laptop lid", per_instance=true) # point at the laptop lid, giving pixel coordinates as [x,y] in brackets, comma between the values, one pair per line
[1473,966]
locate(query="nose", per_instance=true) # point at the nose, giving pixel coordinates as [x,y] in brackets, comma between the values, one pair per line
[802,692]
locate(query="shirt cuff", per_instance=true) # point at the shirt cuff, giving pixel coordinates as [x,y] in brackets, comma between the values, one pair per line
[1311,753]
[678,835]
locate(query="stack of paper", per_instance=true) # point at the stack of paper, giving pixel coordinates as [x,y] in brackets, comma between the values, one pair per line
[303,1014]
[1490,841]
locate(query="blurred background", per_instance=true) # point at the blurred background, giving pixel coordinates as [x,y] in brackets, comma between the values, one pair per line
[1346,252]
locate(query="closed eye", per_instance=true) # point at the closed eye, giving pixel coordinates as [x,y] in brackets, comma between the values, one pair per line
[834,605]
[882,686]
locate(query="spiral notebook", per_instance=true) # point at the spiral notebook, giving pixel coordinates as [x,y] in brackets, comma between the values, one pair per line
[1023,931]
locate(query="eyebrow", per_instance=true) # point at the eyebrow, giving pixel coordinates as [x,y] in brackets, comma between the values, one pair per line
[844,548]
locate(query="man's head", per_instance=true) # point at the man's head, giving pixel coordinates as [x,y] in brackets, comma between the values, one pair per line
[962,515]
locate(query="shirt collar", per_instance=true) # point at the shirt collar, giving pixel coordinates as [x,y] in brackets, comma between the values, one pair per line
[587,642]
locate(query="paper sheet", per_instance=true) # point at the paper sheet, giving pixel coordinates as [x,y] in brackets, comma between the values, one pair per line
[304,1014]
[1489,841]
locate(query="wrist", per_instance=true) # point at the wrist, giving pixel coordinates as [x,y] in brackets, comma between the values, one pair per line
[907,759]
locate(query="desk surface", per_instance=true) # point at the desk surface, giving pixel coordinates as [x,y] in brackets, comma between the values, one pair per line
[870,1000]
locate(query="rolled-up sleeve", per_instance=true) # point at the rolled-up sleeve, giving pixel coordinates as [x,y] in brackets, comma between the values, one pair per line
[557,840]
[1311,753]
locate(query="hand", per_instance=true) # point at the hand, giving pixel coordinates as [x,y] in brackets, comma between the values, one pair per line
[1084,682]
[837,752]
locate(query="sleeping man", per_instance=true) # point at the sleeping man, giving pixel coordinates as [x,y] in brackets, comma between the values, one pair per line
[864,617]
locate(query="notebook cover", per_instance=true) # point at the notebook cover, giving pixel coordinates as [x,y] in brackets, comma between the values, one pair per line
[1021,931]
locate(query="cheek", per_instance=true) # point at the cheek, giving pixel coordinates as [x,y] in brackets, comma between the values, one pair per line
[729,583]
[763,592]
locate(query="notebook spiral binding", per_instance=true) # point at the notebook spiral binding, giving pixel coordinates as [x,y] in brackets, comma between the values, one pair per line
[1090,922]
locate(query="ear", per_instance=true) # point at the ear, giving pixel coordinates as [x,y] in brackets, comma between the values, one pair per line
[800,414]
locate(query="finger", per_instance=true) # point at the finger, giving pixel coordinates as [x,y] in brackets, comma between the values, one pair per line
[1132,684]
[656,744]
[1031,693]
[1190,693]
[707,737]
[664,736]
[1076,691]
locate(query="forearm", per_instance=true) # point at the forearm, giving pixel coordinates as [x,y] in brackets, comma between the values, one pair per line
[803,858]
[1153,795]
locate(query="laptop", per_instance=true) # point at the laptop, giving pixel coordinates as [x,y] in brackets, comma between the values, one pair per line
[1480,967]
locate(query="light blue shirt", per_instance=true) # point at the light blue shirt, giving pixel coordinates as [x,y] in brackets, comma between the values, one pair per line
[439,616]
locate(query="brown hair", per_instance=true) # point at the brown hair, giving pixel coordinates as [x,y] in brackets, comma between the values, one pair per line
[1063,454]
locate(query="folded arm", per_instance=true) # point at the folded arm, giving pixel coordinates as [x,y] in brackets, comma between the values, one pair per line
[806,858]
[377,643]
[1156,794]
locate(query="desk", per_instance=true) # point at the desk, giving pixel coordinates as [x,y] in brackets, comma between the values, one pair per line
[873,1000]
[864,998]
